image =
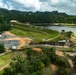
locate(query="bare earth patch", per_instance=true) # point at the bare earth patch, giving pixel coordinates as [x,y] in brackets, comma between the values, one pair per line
[73,39]
[59,53]
[37,49]
[54,67]
[8,33]
[22,40]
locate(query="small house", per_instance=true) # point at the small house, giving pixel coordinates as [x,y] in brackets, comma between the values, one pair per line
[61,42]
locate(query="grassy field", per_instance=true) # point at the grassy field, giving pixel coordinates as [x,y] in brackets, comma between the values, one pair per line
[74,35]
[34,32]
[1,72]
[5,59]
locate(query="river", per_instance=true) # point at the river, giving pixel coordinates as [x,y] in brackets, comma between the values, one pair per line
[60,28]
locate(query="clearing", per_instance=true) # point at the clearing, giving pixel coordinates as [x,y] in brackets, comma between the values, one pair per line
[10,38]
[34,32]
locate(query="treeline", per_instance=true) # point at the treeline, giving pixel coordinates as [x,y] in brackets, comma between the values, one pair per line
[4,27]
[35,17]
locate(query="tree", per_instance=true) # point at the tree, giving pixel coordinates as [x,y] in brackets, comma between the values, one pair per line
[69,34]
[63,31]
[7,71]
[2,49]
[63,71]
[36,64]
[17,67]
[5,27]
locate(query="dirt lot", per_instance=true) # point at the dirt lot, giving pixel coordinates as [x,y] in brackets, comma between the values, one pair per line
[22,40]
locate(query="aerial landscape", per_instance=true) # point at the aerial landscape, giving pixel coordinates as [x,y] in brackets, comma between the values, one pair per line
[37,37]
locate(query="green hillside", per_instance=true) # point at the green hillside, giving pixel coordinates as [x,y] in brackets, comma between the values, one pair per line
[36,17]
[36,33]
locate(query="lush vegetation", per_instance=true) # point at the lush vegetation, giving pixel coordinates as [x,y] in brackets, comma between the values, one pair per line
[5,27]
[35,17]
[5,59]
[64,35]
[74,61]
[2,49]
[36,63]
[32,62]
[36,33]
[1,72]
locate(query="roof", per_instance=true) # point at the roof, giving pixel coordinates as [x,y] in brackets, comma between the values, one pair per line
[13,21]
[22,41]
[62,41]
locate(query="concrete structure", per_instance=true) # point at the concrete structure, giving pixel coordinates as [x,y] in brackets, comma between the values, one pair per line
[16,42]
[12,41]
[13,21]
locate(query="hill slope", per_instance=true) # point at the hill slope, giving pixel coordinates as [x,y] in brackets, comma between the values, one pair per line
[35,17]
[36,33]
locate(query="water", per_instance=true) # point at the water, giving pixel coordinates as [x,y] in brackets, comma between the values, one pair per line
[60,28]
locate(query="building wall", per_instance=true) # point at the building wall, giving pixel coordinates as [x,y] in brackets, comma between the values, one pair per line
[10,43]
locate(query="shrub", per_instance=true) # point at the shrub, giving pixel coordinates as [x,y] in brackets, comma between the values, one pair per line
[2,49]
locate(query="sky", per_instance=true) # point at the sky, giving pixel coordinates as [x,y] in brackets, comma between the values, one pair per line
[67,6]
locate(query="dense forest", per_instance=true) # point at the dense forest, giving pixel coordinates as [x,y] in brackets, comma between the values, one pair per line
[35,17]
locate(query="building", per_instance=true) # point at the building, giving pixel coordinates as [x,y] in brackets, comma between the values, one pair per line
[61,43]
[13,21]
[16,42]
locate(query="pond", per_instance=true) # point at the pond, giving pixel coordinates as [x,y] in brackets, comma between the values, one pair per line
[60,28]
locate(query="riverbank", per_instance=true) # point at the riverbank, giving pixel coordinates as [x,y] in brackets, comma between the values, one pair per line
[60,28]
[53,24]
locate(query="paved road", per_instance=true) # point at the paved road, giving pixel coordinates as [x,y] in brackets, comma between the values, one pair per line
[46,45]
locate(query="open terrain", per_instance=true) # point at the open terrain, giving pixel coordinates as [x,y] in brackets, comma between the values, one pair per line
[7,58]
[36,33]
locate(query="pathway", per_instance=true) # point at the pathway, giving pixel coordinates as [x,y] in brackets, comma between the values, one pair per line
[51,38]
[1,68]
